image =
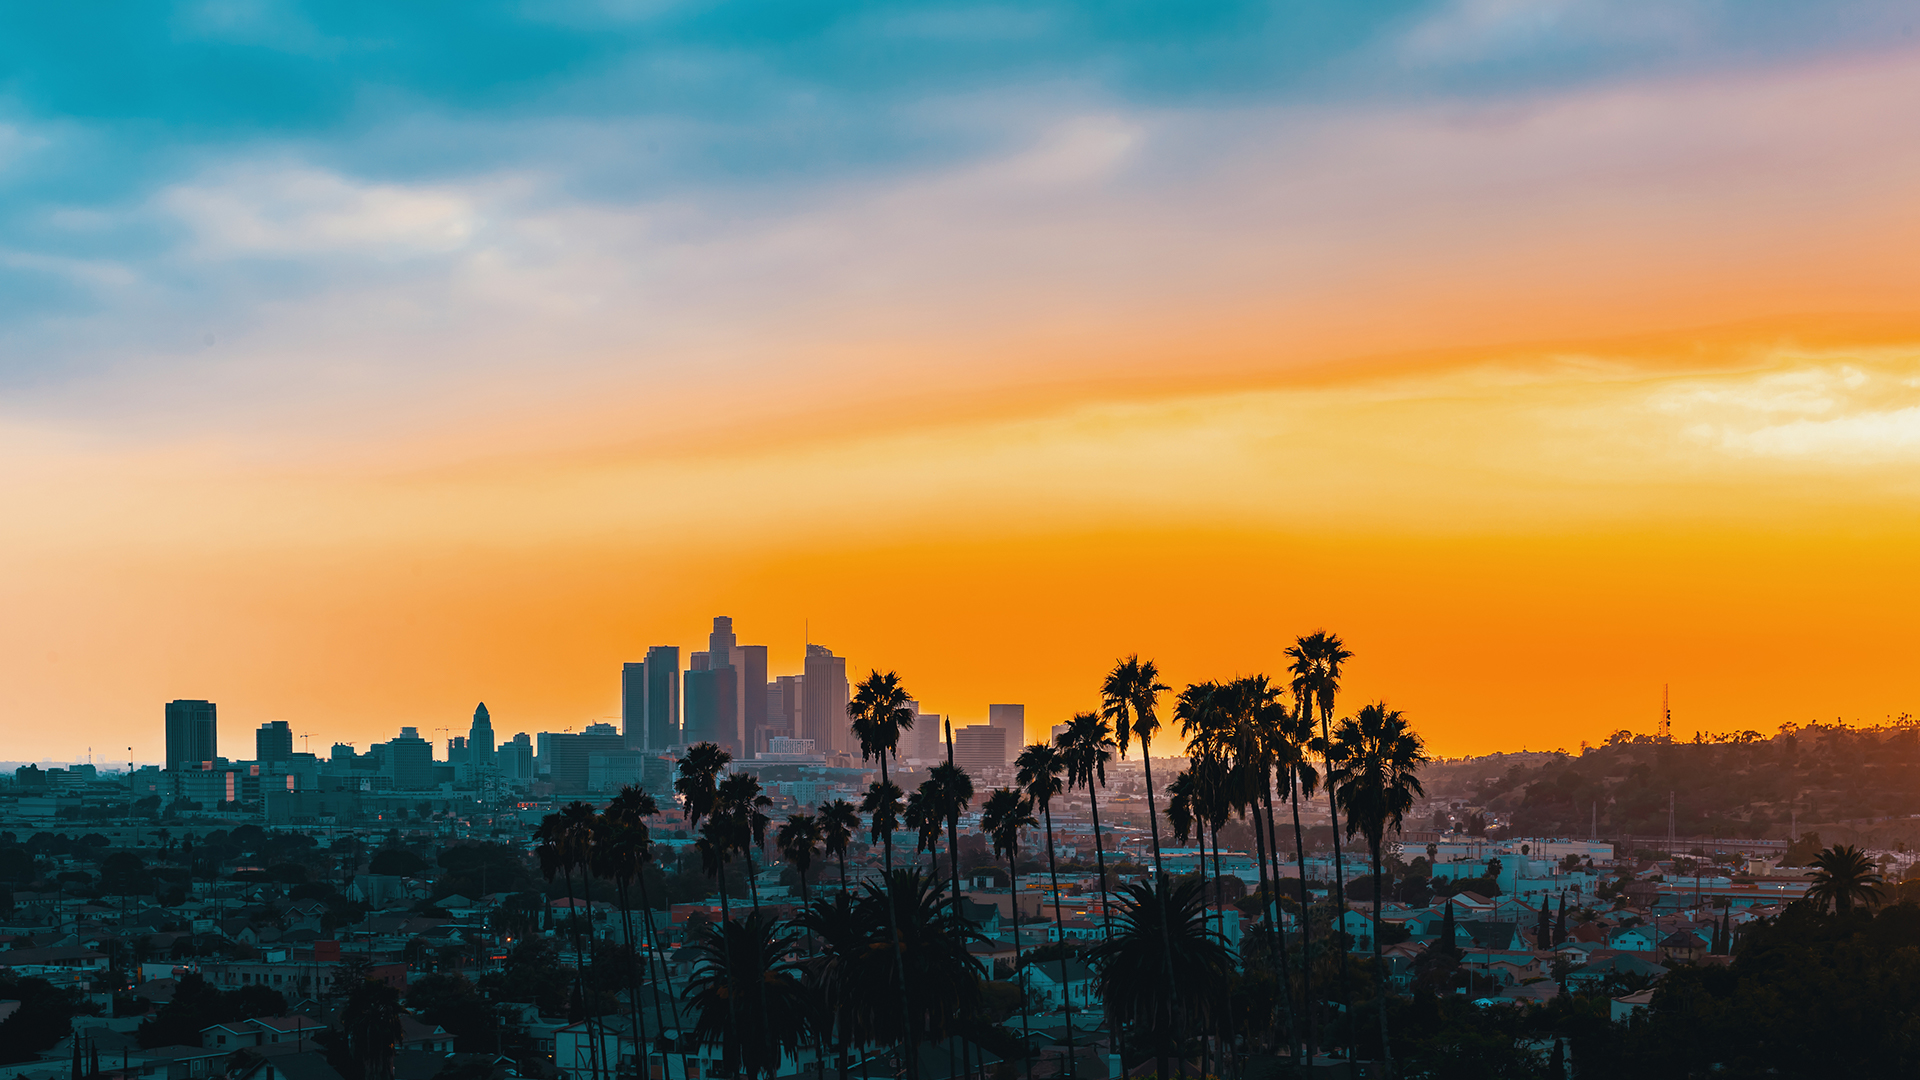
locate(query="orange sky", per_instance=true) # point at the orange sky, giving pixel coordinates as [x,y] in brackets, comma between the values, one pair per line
[1541,406]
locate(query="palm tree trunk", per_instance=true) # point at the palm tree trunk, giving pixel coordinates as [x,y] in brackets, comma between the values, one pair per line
[1379,965]
[580,971]
[1306,921]
[1100,857]
[1339,867]
[653,947]
[1060,924]
[753,887]
[623,891]
[1232,1035]
[1273,907]
[1159,870]
[1020,983]
[909,1044]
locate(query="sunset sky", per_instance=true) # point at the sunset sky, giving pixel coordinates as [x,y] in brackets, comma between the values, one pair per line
[359,363]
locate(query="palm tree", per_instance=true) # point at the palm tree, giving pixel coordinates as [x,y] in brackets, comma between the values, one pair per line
[739,801]
[732,957]
[1293,741]
[952,792]
[1163,993]
[1086,747]
[698,782]
[838,821]
[923,819]
[798,838]
[880,711]
[1325,654]
[623,852]
[1130,699]
[1037,771]
[918,957]
[1376,780]
[1006,813]
[566,842]
[1843,874]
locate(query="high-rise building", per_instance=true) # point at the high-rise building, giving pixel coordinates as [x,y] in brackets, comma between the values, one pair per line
[193,733]
[572,755]
[712,705]
[1013,720]
[273,742]
[409,760]
[980,746]
[515,760]
[750,662]
[785,702]
[650,699]
[480,737]
[825,696]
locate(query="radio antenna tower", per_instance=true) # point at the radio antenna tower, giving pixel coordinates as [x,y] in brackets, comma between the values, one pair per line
[1666,715]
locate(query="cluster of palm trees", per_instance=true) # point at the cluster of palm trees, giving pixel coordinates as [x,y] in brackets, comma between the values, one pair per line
[887,963]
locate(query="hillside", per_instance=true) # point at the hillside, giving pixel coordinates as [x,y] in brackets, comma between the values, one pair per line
[1843,780]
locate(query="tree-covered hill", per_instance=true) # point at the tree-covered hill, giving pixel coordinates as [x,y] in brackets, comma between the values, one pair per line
[1735,786]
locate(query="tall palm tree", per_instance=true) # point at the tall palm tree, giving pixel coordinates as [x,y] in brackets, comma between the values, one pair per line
[922,818]
[566,844]
[698,781]
[1293,742]
[732,957]
[1376,780]
[950,791]
[1038,771]
[839,820]
[879,712]
[798,838]
[1843,875]
[917,956]
[1086,747]
[1006,813]
[1130,698]
[623,852]
[1327,653]
[1164,994]
[739,801]
[1255,717]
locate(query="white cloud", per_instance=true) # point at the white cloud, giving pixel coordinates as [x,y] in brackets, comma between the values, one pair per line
[300,210]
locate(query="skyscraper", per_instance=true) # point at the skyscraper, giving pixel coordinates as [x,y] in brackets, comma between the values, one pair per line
[650,699]
[825,696]
[1013,720]
[480,737]
[750,661]
[193,734]
[571,754]
[273,742]
[712,705]
[409,761]
[980,746]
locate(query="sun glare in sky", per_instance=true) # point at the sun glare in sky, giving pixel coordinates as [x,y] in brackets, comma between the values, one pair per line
[353,371]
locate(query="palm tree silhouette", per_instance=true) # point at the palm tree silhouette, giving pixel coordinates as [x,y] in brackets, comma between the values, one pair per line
[1037,771]
[950,790]
[698,781]
[566,843]
[1163,993]
[1326,654]
[1130,699]
[1086,747]
[798,838]
[1007,812]
[738,801]
[839,820]
[879,712]
[623,852]
[1292,744]
[1376,779]
[732,957]
[1843,874]
[923,820]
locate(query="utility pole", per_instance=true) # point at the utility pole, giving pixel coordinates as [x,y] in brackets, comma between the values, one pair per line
[1670,833]
[1666,714]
